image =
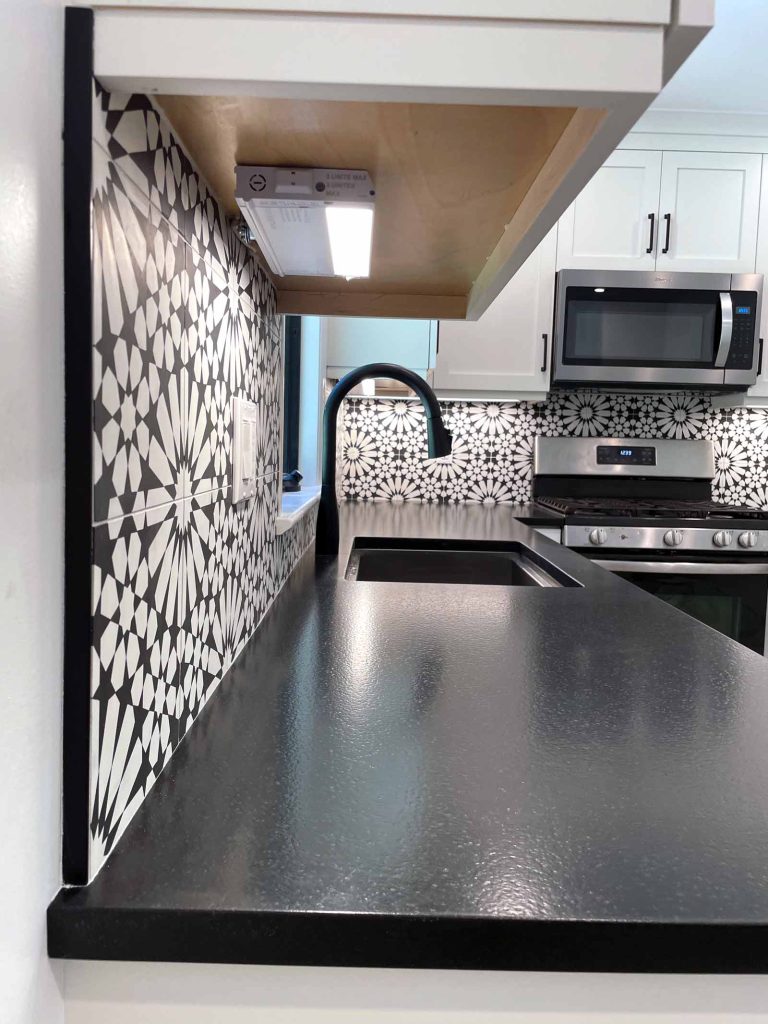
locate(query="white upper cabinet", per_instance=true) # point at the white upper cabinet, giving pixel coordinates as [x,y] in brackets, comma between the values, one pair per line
[708,211]
[613,223]
[355,341]
[761,264]
[648,210]
[506,351]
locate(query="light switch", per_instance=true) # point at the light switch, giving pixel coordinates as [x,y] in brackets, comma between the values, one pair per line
[246,451]
[244,423]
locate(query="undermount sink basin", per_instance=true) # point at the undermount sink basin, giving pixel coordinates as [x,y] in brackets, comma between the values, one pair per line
[399,560]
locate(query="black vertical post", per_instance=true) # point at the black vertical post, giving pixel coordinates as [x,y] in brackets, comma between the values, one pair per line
[78,93]
[292,394]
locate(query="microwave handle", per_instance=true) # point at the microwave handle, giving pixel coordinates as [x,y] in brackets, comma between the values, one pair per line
[726,329]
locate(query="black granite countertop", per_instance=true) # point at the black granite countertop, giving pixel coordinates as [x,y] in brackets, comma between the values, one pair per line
[455,776]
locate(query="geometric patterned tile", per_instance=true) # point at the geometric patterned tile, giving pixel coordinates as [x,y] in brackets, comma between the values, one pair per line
[184,319]
[215,354]
[291,545]
[267,393]
[141,144]
[207,227]
[384,445]
[212,241]
[140,298]
[136,579]
[230,352]
[130,747]
[204,602]
[228,582]
[207,455]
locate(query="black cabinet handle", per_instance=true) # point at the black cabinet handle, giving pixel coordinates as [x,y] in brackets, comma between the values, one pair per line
[652,219]
[668,219]
[544,338]
[760,357]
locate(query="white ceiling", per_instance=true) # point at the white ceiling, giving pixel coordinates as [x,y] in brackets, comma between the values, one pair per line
[729,69]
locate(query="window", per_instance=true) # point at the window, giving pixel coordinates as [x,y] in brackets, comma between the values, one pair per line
[303,400]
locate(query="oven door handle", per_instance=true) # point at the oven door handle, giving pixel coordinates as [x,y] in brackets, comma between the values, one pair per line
[684,568]
[726,329]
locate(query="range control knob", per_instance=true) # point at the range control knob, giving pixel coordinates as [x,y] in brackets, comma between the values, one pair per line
[748,539]
[598,536]
[673,538]
[722,538]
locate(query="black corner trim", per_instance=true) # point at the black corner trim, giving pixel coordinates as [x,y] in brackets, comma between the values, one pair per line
[292,394]
[78,93]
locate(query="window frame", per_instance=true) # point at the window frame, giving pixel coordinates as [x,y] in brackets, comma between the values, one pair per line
[291,420]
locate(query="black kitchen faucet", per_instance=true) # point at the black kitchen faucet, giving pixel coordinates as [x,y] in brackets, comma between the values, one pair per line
[438,442]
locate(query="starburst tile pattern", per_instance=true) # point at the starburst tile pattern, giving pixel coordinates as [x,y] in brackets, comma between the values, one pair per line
[140,295]
[184,320]
[134,662]
[140,144]
[132,746]
[231,350]
[204,529]
[384,444]
[290,546]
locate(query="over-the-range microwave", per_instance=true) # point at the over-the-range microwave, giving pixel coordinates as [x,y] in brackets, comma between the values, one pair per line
[632,328]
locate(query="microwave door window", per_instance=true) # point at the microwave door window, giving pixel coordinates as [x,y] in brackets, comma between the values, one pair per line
[640,332]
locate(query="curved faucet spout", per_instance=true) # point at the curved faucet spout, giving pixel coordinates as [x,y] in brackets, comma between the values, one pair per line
[438,442]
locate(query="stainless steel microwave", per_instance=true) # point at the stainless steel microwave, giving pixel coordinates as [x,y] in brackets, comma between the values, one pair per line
[632,328]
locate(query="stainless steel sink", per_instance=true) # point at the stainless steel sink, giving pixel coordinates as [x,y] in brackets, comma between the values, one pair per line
[399,560]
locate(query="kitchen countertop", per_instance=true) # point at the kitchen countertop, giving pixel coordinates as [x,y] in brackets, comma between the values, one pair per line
[455,776]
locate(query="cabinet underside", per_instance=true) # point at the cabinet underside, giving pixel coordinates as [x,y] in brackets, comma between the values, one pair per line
[456,185]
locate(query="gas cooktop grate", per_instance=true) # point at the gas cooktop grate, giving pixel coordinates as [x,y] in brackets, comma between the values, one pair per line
[638,508]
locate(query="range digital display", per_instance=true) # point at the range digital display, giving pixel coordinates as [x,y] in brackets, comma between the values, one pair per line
[618,455]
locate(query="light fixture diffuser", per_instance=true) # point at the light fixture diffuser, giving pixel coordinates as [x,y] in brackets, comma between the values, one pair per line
[309,222]
[350,232]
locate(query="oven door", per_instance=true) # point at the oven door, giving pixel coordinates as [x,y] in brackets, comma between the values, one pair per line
[649,329]
[730,597]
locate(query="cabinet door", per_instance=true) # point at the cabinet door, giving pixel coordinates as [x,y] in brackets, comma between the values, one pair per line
[760,389]
[507,349]
[709,202]
[610,224]
[354,341]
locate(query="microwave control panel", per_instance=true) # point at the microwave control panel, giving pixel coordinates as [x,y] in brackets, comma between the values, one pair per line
[741,355]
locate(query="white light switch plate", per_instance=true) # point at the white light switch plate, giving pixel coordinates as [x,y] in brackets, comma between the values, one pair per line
[244,423]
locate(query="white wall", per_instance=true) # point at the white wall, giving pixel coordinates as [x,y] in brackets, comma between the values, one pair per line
[726,71]
[31,509]
[206,994]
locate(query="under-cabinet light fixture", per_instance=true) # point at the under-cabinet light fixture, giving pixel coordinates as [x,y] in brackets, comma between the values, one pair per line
[309,222]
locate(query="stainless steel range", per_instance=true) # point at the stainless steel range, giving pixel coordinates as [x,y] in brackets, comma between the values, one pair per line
[643,509]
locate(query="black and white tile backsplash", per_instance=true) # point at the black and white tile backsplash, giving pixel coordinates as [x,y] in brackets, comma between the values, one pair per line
[384,444]
[184,319]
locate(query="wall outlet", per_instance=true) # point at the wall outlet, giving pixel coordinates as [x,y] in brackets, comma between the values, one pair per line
[244,425]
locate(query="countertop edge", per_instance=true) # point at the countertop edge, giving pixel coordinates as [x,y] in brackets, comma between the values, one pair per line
[332,939]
